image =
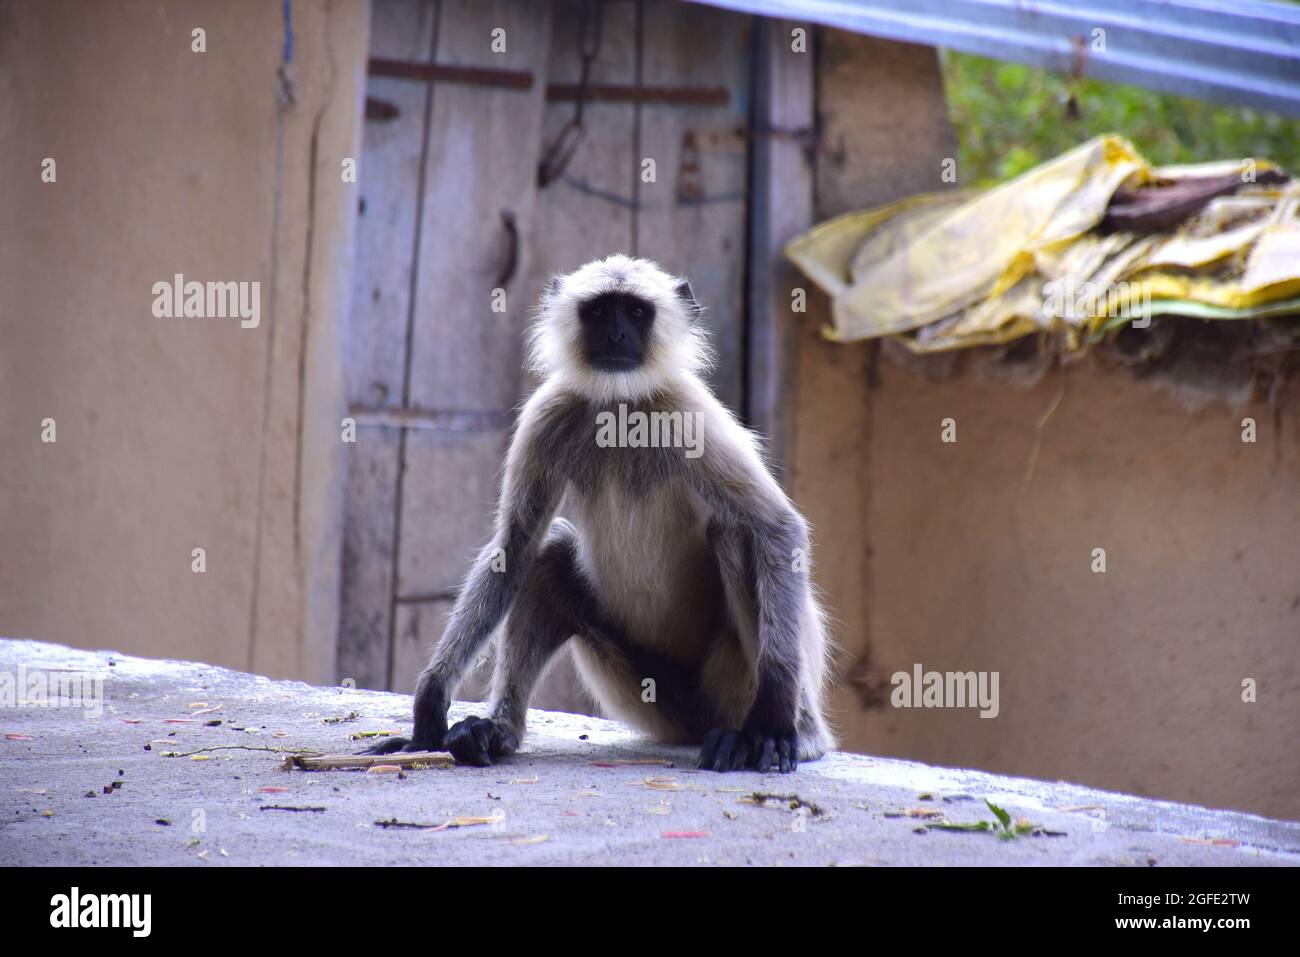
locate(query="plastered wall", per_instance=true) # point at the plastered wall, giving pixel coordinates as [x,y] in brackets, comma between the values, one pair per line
[982,558]
[175,434]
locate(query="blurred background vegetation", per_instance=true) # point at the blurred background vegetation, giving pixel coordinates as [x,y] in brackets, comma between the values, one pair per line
[1012,117]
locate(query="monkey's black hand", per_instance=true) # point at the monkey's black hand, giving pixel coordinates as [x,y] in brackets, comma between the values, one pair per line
[751,749]
[478,741]
[386,746]
[769,732]
[394,745]
[773,749]
[725,751]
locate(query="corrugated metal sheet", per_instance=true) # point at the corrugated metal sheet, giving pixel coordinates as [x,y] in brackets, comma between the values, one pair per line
[1244,52]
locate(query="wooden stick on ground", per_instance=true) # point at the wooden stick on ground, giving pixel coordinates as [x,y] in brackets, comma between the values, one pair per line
[354,762]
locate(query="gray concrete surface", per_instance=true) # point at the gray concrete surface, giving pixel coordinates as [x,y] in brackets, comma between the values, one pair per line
[558,802]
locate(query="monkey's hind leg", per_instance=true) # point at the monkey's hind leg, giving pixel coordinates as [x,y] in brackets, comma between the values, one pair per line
[553,605]
[539,621]
[557,603]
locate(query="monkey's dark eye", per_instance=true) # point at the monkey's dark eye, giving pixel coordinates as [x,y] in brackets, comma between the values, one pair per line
[638,312]
[595,312]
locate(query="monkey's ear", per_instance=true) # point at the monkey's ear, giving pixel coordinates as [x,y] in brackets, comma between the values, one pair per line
[553,285]
[687,296]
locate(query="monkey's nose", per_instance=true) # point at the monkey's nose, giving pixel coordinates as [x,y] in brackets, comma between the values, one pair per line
[616,336]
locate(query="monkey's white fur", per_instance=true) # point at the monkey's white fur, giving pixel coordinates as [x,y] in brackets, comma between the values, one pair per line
[678,345]
[649,559]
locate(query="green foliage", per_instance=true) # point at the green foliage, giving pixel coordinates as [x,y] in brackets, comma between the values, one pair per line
[1011,117]
[1003,817]
[1003,827]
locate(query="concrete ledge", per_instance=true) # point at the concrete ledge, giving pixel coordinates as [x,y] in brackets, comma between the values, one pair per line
[557,803]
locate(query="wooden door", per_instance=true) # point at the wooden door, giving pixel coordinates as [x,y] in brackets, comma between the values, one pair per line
[456,240]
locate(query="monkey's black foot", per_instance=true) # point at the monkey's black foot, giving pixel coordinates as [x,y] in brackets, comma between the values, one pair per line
[753,750]
[394,745]
[386,746]
[479,741]
[777,750]
[725,751]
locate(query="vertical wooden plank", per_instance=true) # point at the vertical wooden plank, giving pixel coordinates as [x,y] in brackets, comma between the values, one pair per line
[692,220]
[781,206]
[481,167]
[375,344]
[390,174]
[480,174]
[586,213]
[449,492]
[366,583]
[417,627]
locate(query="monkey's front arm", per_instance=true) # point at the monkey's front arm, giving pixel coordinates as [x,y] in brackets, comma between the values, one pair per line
[530,494]
[774,535]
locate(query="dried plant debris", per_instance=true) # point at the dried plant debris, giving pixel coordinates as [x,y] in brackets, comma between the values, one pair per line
[924,812]
[496,817]
[1196,362]
[529,841]
[313,809]
[363,735]
[417,760]
[1210,841]
[791,802]
[230,747]
[1163,206]
[341,719]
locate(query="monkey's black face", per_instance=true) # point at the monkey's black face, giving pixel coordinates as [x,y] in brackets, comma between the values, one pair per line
[616,330]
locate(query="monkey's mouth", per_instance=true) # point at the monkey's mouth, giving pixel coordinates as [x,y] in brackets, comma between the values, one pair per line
[615,363]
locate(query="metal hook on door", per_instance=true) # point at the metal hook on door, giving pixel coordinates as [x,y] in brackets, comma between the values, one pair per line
[511,261]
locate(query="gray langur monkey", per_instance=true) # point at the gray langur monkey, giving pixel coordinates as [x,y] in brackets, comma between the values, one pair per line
[682,573]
